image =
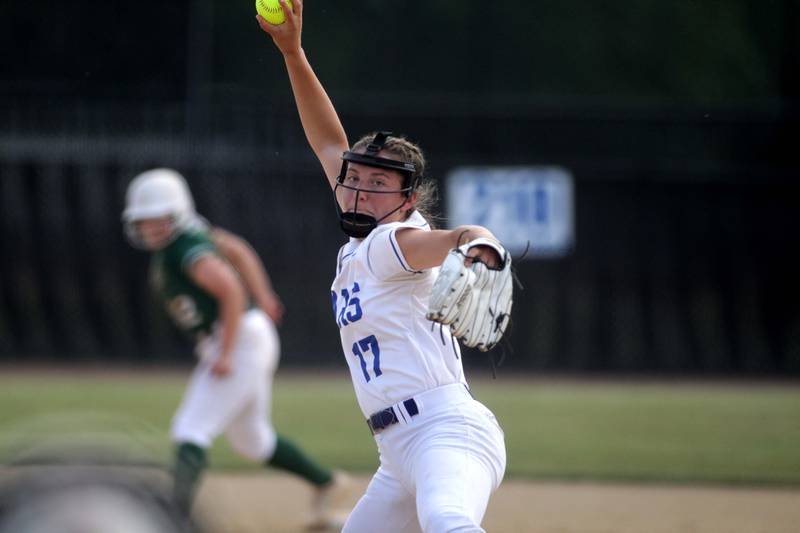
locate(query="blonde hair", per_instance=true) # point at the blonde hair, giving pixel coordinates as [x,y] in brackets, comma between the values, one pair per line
[409,152]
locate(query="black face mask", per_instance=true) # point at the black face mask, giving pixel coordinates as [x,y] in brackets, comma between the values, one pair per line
[356,225]
[359,225]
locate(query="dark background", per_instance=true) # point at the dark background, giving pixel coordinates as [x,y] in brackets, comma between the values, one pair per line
[677,120]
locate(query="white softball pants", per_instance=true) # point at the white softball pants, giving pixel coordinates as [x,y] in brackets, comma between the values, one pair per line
[437,470]
[239,404]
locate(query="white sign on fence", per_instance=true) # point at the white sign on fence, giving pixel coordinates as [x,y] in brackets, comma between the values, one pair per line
[520,205]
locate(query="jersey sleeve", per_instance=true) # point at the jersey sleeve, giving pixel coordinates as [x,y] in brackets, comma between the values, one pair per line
[385,259]
[188,248]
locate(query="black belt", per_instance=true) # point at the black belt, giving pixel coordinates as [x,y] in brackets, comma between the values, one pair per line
[381,420]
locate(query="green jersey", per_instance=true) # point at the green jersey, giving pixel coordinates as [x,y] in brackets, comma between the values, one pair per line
[192,309]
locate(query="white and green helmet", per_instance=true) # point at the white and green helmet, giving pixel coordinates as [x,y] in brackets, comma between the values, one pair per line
[156,193]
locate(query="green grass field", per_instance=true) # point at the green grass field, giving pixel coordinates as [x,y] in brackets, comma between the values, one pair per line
[608,431]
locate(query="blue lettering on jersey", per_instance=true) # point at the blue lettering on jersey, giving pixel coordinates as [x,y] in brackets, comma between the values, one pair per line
[363,347]
[351,308]
[350,312]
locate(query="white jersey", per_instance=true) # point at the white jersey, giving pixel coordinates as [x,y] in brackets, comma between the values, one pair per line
[379,303]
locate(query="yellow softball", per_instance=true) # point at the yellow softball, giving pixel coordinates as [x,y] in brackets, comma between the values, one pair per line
[272,11]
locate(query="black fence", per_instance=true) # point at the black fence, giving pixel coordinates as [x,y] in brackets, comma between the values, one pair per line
[684,228]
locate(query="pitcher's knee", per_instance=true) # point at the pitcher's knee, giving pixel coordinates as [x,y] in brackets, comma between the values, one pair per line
[449,521]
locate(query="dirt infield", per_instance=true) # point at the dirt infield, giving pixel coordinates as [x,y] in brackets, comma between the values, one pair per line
[254,503]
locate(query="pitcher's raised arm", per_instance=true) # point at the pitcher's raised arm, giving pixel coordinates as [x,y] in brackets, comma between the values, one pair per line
[321,124]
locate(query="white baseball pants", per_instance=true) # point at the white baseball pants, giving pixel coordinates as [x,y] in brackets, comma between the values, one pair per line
[437,469]
[239,404]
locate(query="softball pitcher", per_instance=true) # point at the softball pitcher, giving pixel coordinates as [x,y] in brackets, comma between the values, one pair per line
[210,281]
[442,453]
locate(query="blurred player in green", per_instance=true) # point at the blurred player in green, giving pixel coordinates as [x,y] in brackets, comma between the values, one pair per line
[216,290]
